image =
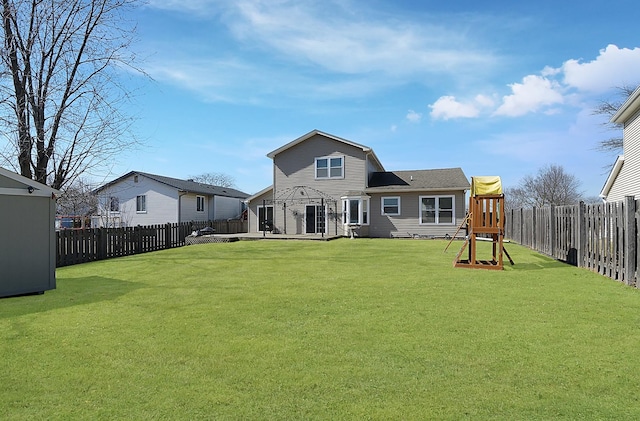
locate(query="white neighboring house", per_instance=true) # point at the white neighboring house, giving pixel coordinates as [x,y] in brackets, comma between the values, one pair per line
[139,198]
[624,178]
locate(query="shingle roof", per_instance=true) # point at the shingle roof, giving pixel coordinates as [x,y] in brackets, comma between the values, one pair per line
[185,185]
[419,180]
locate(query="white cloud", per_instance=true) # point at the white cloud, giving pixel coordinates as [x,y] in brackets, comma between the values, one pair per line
[534,93]
[447,107]
[414,117]
[613,67]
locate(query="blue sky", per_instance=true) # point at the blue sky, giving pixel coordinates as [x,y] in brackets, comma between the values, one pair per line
[497,89]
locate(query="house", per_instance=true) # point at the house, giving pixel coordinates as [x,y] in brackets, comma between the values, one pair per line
[28,240]
[623,180]
[323,184]
[139,198]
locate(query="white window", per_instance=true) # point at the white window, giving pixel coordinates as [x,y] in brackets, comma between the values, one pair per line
[330,167]
[390,206]
[437,210]
[199,203]
[141,203]
[114,204]
[355,210]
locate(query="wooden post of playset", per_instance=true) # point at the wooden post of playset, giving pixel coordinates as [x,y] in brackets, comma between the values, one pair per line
[485,222]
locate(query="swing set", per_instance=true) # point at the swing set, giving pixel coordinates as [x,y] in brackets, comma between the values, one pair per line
[484,222]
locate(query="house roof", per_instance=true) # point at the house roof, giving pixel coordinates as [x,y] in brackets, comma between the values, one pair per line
[628,108]
[445,179]
[22,185]
[312,133]
[189,186]
[260,193]
[617,166]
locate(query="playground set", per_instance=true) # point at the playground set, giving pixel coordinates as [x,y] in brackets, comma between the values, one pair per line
[484,222]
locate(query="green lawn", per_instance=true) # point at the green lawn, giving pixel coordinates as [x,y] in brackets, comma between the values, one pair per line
[347,329]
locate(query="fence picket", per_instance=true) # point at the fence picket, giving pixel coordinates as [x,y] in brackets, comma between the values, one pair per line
[81,246]
[603,238]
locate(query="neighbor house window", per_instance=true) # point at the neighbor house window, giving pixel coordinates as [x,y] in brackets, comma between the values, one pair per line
[114,204]
[390,206]
[437,210]
[330,167]
[141,203]
[200,203]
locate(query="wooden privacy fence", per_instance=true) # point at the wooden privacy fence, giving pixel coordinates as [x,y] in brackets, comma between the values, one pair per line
[75,246]
[603,237]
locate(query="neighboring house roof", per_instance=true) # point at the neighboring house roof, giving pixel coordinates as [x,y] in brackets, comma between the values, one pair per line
[617,166]
[188,186]
[419,180]
[39,189]
[628,109]
[312,133]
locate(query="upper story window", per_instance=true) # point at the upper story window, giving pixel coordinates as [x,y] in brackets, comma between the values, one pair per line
[390,206]
[330,167]
[114,204]
[141,203]
[199,203]
[437,210]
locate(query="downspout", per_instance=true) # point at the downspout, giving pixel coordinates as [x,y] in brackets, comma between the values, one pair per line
[180,194]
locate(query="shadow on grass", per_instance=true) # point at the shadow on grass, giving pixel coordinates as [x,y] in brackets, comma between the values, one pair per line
[539,262]
[69,292]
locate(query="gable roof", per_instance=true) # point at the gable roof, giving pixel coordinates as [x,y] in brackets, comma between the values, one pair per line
[628,108]
[444,179]
[312,133]
[24,184]
[617,166]
[188,186]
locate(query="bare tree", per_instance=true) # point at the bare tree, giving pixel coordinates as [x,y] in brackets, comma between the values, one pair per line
[608,108]
[61,102]
[550,186]
[215,179]
[77,199]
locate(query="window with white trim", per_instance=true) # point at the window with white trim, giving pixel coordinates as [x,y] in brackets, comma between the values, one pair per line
[390,206]
[355,210]
[199,203]
[329,167]
[141,203]
[114,204]
[437,210]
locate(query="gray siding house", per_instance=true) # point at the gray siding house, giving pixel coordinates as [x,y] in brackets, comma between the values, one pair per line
[323,184]
[624,178]
[27,239]
[139,198]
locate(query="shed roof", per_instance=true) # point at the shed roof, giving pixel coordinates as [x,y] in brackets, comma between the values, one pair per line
[444,179]
[189,186]
[19,186]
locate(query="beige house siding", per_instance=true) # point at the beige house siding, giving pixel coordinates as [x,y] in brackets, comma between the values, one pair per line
[628,181]
[295,168]
[408,222]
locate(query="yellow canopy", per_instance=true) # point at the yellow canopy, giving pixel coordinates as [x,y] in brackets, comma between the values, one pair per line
[487,184]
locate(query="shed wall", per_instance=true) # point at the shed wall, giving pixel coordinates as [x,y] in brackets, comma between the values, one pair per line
[27,245]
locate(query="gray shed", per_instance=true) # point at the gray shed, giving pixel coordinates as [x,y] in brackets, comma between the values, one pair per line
[27,235]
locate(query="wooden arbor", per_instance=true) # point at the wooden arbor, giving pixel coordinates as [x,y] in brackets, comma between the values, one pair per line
[485,222]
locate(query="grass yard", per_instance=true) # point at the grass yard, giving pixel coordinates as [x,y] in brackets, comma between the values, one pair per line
[347,329]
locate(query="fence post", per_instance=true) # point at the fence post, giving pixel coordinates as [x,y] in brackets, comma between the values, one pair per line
[552,234]
[629,240]
[581,243]
[167,235]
